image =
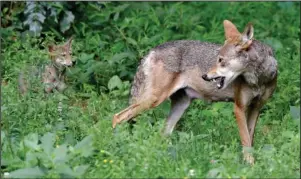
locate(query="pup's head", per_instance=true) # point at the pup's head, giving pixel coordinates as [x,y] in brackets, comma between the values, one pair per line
[233,57]
[61,54]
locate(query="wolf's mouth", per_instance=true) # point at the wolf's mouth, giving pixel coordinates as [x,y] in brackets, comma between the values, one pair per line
[220,81]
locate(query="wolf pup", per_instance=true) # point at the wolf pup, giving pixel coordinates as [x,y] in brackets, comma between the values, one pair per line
[242,70]
[48,76]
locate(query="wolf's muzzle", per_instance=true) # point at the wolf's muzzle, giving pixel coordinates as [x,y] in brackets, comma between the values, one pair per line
[205,77]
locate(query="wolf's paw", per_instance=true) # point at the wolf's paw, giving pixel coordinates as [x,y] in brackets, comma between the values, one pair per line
[115,121]
[249,159]
[248,156]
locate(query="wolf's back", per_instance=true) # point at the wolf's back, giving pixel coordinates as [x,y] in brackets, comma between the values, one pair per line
[177,56]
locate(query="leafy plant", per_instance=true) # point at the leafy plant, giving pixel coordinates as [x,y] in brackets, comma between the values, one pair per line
[110,39]
[36,13]
[43,156]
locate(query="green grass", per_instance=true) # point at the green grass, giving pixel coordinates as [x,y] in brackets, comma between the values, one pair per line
[206,144]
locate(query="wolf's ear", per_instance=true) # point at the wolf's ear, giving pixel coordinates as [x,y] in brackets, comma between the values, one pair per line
[247,36]
[69,41]
[50,48]
[231,32]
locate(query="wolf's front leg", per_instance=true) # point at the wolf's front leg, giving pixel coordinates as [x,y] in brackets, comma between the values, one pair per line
[240,114]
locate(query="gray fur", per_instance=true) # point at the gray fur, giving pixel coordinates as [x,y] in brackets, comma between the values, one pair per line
[181,55]
[178,56]
[262,63]
[138,83]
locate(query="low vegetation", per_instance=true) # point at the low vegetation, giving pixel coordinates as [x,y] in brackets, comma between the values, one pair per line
[110,38]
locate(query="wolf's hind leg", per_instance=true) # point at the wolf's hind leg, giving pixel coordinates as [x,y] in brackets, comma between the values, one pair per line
[160,84]
[180,101]
[133,110]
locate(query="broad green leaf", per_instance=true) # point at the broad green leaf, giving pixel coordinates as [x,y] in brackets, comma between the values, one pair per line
[60,153]
[295,112]
[31,158]
[35,172]
[31,141]
[66,22]
[35,27]
[131,41]
[65,171]
[88,151]
[47,142]
[114,82]
[86,142]
[118,57]
[80,170]
[85,147]
[30,6]
[69,138]
[86,57]
[288,134]
[37,17]
[121,7]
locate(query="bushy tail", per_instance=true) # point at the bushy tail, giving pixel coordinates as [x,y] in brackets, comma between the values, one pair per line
[138,84]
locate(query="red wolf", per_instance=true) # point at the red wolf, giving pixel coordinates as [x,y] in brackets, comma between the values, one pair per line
[242,70]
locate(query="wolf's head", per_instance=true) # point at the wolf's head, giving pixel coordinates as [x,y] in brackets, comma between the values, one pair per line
[61,54]
[232,57]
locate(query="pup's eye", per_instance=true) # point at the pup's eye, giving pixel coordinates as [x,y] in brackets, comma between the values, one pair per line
[220,59]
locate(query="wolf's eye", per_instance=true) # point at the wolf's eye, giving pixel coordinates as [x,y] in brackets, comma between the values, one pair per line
[220,60]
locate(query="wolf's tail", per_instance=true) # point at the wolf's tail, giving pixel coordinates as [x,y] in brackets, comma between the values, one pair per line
[138,85]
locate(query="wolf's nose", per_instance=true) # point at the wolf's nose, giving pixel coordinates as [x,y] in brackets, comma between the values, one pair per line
[205,77]
[70,64]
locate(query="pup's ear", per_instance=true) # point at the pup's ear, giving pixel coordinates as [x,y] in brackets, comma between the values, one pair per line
[50,48]
[231,32]
[69,42]
[247,36]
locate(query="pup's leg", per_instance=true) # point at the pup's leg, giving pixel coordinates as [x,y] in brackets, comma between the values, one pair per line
[179,103]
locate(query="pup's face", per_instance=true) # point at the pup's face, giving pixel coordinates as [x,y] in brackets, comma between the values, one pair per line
[61,54]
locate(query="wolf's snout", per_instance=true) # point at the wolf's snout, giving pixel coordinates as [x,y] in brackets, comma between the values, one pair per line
[205,77]
[70,64]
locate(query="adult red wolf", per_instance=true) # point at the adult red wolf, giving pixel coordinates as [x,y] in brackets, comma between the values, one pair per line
[242,70]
